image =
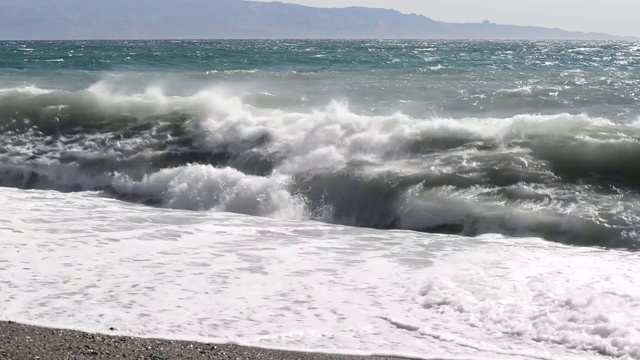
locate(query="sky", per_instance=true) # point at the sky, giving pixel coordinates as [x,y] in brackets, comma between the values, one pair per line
[615,17]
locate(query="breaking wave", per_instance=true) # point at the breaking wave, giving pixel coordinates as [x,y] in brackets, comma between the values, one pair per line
[562,177]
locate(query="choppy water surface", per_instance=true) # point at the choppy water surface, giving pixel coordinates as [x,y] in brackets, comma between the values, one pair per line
[503,149]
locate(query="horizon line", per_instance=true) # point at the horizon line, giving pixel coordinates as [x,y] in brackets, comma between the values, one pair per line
[622,39]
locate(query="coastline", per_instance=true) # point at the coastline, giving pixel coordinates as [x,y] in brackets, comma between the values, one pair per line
[19,341]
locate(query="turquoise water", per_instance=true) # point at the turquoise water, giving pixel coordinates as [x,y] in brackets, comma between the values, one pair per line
[446,77]
[468,137]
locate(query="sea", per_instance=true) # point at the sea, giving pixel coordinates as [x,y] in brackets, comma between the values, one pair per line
[427,199]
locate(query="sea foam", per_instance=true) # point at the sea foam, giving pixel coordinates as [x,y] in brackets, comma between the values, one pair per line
[86,262]
[213,151]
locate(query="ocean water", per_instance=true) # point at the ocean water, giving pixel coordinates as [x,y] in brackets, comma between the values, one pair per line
[450,199]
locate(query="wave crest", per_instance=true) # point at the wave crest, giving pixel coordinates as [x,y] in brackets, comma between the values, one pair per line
[203,187]
[210,151]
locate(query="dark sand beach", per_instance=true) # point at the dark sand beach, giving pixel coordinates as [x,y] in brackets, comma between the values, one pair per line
[26,342]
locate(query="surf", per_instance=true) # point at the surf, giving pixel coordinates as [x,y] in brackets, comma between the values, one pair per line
[211,152]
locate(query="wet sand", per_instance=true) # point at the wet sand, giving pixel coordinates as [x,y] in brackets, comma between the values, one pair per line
[26,342]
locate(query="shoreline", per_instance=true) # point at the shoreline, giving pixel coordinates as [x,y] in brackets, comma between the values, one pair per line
[20,341]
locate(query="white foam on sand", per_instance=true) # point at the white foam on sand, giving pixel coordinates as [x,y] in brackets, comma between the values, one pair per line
[84,262]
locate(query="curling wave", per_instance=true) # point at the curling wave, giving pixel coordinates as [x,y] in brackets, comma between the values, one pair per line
[561,177]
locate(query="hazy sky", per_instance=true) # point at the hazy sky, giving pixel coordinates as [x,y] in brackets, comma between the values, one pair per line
[616,17]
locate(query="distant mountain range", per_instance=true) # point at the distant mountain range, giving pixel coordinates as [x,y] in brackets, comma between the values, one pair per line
[238,19]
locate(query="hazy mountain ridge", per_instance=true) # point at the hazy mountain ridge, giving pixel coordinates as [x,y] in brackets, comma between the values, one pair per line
[228,19]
